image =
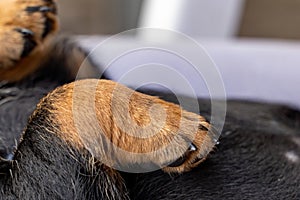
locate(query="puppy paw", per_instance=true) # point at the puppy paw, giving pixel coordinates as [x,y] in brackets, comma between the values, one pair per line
[127,130]
[24,27]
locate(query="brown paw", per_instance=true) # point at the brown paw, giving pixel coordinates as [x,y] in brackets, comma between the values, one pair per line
[24,27]
[125,129]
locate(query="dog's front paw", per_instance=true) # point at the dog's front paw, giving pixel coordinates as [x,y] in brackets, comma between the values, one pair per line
[24,27]
[125,129]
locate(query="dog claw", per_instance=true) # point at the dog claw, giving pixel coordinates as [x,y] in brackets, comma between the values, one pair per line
[45,9]
[192,147]
[29,43]
[33,9]
[25,32]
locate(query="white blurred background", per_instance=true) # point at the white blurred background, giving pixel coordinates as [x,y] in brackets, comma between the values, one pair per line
[254,43]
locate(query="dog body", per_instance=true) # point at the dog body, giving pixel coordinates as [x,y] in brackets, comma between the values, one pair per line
[258,156]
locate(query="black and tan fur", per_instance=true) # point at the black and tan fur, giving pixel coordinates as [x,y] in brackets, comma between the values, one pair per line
[61,154]
[33,60]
